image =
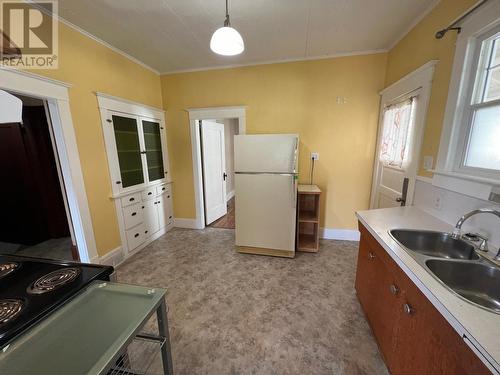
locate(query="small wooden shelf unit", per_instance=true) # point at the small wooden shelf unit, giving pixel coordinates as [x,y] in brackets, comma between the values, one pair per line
[308,218]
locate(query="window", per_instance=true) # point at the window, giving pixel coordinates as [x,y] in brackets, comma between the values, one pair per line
[482,138]
[397,126]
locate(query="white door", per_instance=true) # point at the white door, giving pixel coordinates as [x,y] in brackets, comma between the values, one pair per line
[403,111]
[214,169]
[151,220]
[265,210]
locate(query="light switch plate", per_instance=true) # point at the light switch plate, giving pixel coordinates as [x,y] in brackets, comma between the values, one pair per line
[315,155]
[428,161]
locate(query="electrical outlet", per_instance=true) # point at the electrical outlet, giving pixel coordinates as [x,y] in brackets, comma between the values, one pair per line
[341,100]
[438,201]
[428,161]
[314,155]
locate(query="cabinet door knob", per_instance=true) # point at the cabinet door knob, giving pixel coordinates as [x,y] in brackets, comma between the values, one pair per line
[371,256]
[168,196]
[170,217]
[143,207]
[131,199]
[145,231]
[136,235]
[394,289]
[118,182]
[150,193]
[408,309]
[134,213]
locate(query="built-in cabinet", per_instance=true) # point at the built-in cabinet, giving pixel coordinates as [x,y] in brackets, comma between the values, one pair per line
[413,337]
[135,137]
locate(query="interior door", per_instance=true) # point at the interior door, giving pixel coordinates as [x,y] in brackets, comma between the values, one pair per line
[214,169]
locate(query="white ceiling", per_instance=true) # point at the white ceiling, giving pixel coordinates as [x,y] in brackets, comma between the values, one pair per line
[174,35]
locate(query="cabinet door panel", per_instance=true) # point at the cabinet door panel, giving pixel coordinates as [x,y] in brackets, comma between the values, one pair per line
[151,219]
[373,286]
[129,151]
[154,150]
[165,210]
[426,343]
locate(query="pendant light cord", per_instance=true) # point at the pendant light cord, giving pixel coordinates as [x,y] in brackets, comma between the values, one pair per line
[227,23]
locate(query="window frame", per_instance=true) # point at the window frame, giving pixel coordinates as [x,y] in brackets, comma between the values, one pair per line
[471,106]
[448,173]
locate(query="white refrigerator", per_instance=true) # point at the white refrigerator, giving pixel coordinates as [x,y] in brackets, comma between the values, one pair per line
[266,172]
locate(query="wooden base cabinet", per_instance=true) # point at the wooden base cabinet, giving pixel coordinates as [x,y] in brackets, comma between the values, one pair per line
[413,337]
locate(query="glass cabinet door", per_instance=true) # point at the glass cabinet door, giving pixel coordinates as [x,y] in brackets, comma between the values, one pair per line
[154,154]
[129,150]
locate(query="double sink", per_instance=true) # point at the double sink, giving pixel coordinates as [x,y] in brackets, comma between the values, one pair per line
[456,264]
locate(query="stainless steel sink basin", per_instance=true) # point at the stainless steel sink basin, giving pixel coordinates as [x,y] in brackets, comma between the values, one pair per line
[434,244]
[479,283]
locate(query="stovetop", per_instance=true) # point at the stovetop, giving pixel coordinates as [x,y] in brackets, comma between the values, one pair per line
[31,288]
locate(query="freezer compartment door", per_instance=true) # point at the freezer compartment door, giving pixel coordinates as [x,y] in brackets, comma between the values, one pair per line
[266,211]
[272,153]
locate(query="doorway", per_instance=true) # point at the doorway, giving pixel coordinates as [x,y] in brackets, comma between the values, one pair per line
[217,159]
[215,114]
[35,220]
[403,110]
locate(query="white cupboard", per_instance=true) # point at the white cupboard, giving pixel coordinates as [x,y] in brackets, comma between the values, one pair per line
[136,147]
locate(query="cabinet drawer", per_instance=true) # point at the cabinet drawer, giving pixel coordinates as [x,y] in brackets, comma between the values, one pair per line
[133,215]
[148,193]
[135,236]
[165,188]
[131,199]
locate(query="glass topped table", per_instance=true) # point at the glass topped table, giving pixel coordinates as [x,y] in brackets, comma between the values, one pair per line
[91,333]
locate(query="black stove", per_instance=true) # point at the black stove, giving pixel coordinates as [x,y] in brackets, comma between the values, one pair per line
[32,288]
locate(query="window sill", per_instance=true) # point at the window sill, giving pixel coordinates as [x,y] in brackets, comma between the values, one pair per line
[487,189]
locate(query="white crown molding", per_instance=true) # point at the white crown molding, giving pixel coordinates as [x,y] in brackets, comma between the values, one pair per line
[281,61]
[412,25]
[93,37]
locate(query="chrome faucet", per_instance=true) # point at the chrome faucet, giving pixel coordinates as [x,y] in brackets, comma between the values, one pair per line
[458,227]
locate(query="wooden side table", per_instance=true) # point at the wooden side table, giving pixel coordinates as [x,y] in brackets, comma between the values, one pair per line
[308,218]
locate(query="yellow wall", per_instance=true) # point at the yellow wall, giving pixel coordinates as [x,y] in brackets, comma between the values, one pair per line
[298,97]
[89,67]
[418,47]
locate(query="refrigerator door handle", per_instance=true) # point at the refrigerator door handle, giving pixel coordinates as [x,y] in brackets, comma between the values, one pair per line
[294,156]
[294,192]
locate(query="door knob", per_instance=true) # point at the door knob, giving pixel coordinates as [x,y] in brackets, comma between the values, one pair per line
[400,199]
[394,289]
[371,256]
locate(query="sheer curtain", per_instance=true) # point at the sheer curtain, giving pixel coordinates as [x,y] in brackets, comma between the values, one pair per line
[397,126]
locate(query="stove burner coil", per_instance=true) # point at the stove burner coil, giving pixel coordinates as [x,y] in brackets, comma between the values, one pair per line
[53,280]
[7,268]
[9,309]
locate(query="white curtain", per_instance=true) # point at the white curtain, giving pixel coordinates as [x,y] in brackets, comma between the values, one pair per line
[398,121]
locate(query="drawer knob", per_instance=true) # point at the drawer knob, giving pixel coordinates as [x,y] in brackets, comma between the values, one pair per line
[150,193]
[168,196]
[163,188]
[131,199]
[145,231]
[136,235]
[371,256]
[143,207]
[408,309]
[170,217]
[394,289]
[134,213]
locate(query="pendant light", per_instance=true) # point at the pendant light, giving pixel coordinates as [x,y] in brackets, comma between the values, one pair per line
[226,40]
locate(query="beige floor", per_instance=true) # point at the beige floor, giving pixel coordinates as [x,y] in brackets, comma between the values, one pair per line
[233,313]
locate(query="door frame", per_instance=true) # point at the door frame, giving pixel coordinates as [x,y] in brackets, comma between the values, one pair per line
[195,116]
[56,95]
[419,79]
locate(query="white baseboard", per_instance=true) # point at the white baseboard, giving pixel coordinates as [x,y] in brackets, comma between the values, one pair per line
[186,223]
[229,195]
[339,234]
[113,258]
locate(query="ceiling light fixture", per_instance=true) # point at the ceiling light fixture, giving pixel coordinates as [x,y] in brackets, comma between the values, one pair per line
[226,40]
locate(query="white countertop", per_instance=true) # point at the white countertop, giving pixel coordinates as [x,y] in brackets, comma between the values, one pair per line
[479,326]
